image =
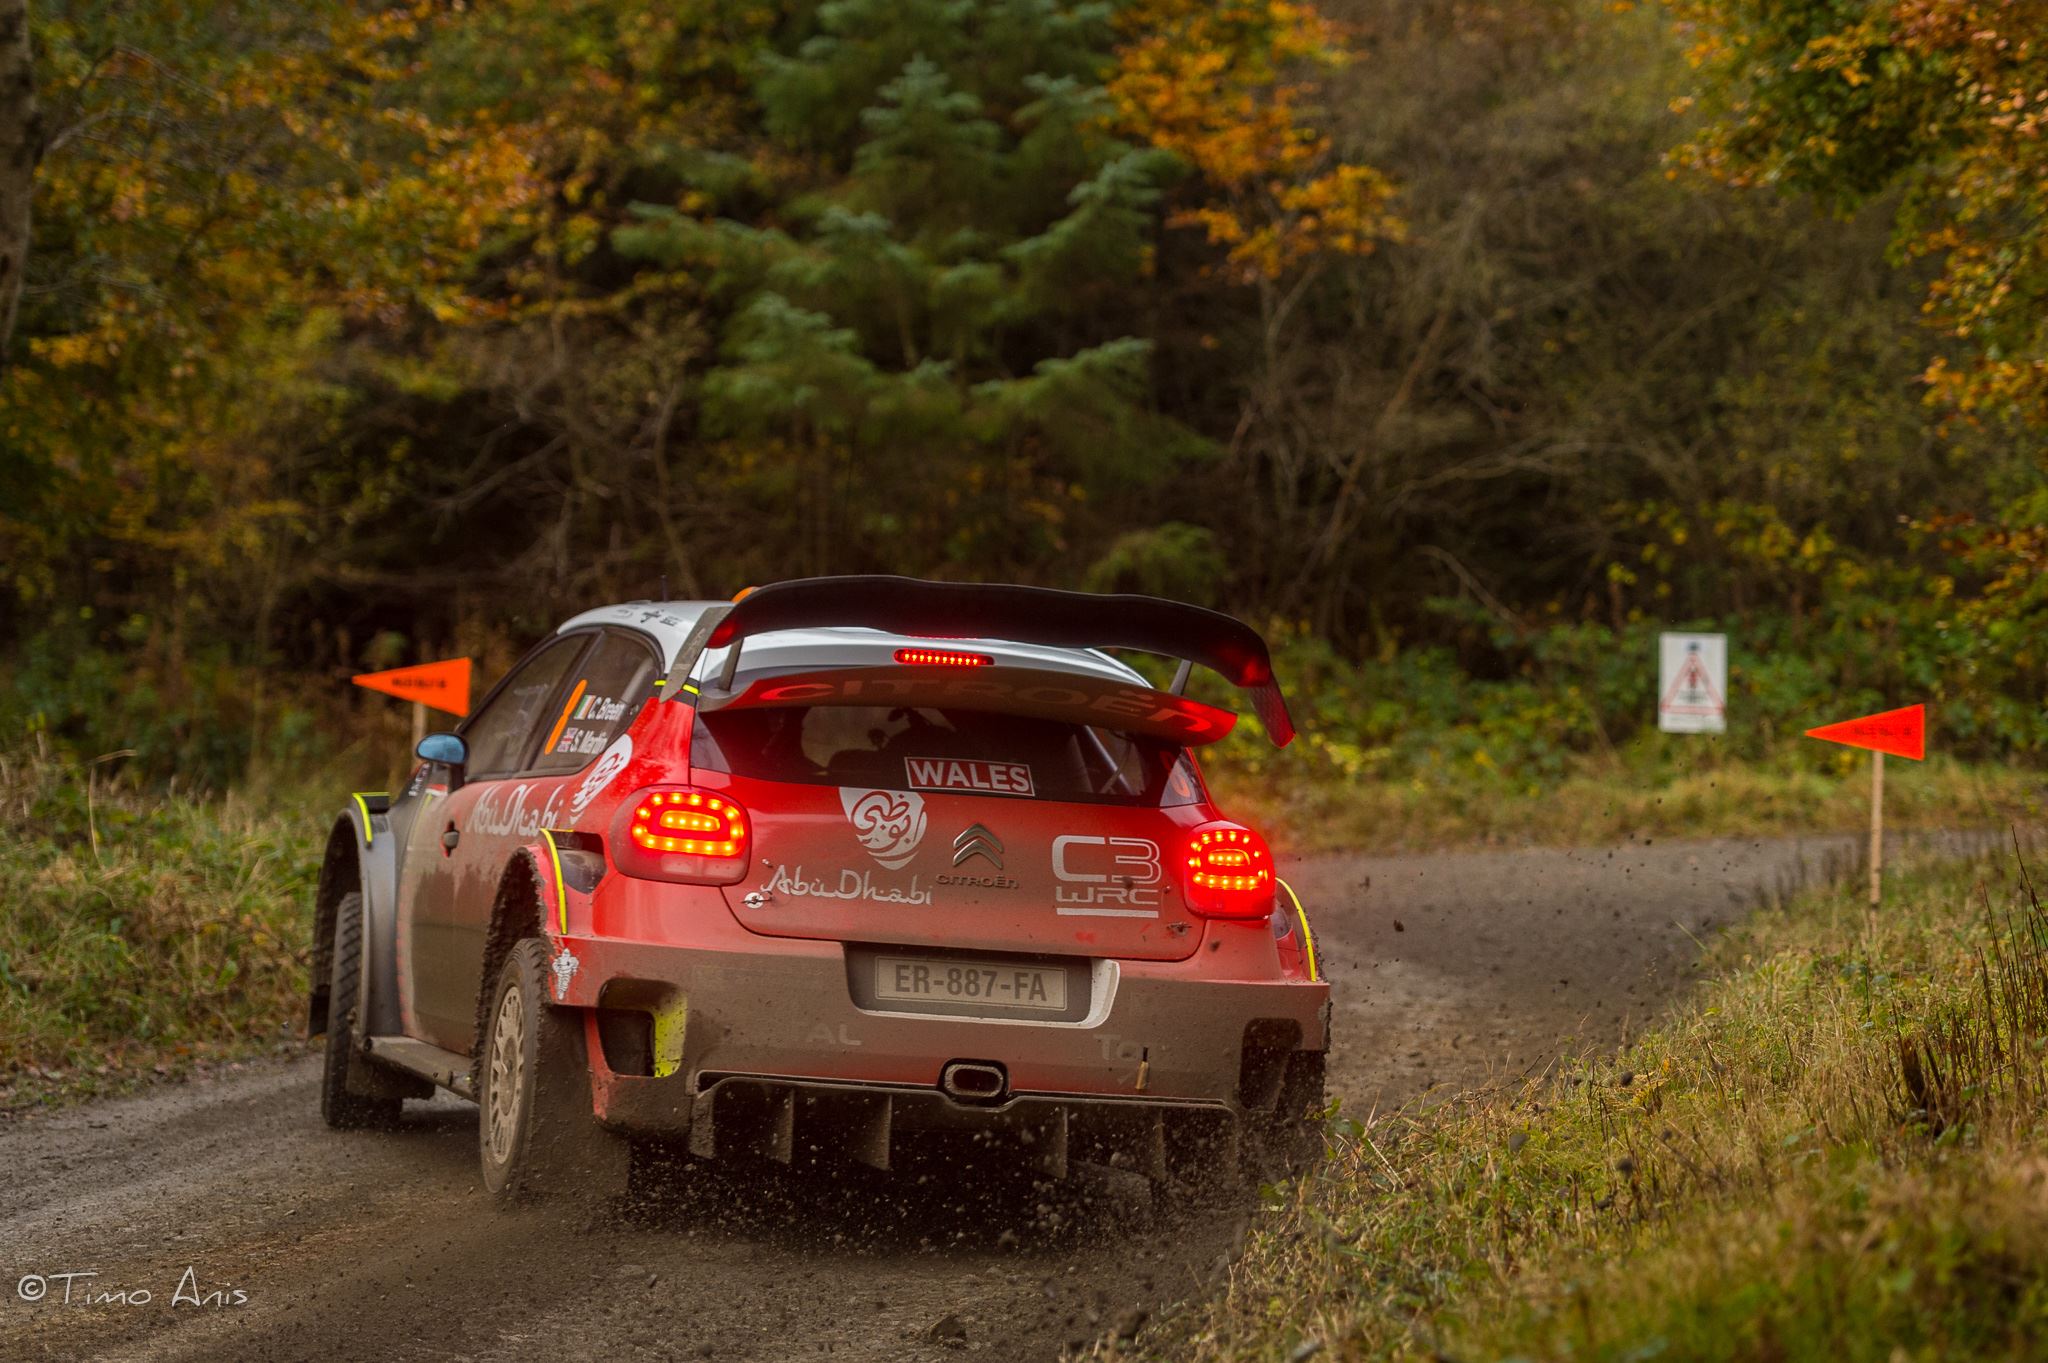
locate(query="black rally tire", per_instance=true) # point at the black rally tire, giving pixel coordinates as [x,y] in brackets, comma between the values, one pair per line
[340,1108]
[536,1136]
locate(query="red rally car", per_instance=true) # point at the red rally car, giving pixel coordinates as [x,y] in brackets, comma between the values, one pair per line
[821,871]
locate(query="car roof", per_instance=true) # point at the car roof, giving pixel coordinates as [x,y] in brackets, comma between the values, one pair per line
[668,624]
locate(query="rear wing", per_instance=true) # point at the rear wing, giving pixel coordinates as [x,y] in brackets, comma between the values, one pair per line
[1027,615]
[1071,696]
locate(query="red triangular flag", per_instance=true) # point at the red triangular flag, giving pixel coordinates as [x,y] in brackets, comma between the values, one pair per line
[443,685]
[1902,733]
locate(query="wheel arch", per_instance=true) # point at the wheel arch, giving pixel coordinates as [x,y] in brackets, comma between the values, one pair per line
[341,873]
[518,911]
[360,857]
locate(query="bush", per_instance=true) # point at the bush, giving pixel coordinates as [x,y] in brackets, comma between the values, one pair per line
[196,716]
[139,932]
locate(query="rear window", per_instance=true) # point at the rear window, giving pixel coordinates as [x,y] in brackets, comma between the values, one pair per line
[970,752]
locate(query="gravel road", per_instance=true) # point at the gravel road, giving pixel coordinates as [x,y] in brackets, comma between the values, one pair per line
[301,1243]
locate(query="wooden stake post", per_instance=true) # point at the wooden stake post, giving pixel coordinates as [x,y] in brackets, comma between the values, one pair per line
[1876,826]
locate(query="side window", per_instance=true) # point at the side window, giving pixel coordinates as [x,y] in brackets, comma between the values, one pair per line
[499,733]
[604,695]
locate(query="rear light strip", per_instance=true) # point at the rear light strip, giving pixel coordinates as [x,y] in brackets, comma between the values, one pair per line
[663,814]
[679,834]
[1229,872]
[941,657]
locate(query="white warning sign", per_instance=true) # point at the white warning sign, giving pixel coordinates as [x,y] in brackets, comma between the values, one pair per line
[1692,683]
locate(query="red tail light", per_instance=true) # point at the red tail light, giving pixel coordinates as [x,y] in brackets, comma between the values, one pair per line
[942,657]
[1229,872]
[676,833]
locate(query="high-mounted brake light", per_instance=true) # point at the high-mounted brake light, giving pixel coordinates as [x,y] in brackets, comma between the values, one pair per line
[941,657]
[1229,872]
[676,833]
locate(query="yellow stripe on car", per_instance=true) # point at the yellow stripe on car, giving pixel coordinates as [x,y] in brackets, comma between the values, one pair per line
[561,886]
[1308,940]
[369,834]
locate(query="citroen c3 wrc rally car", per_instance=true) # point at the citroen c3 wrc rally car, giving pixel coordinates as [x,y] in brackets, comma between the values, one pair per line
[820,871]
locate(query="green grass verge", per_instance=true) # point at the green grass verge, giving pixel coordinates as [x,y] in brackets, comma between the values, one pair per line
[1836,1149]
[1310,801]
[143,935]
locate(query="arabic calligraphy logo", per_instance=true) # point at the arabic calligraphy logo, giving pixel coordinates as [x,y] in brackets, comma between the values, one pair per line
[889,823]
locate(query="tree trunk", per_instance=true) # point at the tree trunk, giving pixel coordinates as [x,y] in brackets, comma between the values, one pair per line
[20,147]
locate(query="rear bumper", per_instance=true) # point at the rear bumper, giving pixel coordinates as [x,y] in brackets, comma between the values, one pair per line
[740,1020]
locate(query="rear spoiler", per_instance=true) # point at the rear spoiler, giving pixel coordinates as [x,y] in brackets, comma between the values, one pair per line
[1025,615]
[1035,692]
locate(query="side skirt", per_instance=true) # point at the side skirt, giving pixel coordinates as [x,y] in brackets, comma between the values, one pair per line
[449,1069]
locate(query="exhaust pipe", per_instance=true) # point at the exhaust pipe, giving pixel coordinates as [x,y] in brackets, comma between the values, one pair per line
[974,1081]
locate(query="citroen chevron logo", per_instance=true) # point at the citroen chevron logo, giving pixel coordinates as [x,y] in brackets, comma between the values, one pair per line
[977,841]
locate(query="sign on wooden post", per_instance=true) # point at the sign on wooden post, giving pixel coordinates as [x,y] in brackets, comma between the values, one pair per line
[1692,683]
[1902,733]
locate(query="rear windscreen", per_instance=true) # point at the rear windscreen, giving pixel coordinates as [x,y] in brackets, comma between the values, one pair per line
[970,752]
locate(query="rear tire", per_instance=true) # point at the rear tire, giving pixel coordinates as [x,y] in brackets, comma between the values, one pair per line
[536,1133]
[341,1108]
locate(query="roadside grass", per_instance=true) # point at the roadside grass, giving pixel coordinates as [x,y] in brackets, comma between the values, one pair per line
[144,935]
[1836,1148]
[1311,801]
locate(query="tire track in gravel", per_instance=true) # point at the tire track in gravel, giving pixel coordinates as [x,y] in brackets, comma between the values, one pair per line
[1452,969]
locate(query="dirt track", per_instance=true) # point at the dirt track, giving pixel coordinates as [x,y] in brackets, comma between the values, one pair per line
[1450,969]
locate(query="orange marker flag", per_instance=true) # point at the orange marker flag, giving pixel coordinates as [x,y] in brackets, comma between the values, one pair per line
[443,685]
[1902,733]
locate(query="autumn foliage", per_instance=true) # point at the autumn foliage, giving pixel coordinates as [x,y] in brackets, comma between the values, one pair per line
[1222,86]
[359,332]
[1943,101]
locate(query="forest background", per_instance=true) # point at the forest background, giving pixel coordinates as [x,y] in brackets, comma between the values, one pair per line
[1462,344]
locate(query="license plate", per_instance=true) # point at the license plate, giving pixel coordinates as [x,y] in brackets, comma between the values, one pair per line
[921,979]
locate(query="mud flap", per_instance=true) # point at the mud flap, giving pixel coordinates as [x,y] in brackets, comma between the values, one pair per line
[368,1079]
[556,1150]
[570,1154]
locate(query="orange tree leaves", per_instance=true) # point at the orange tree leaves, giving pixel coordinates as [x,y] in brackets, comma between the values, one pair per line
[1946,98]
[1224,86]
[226,192]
